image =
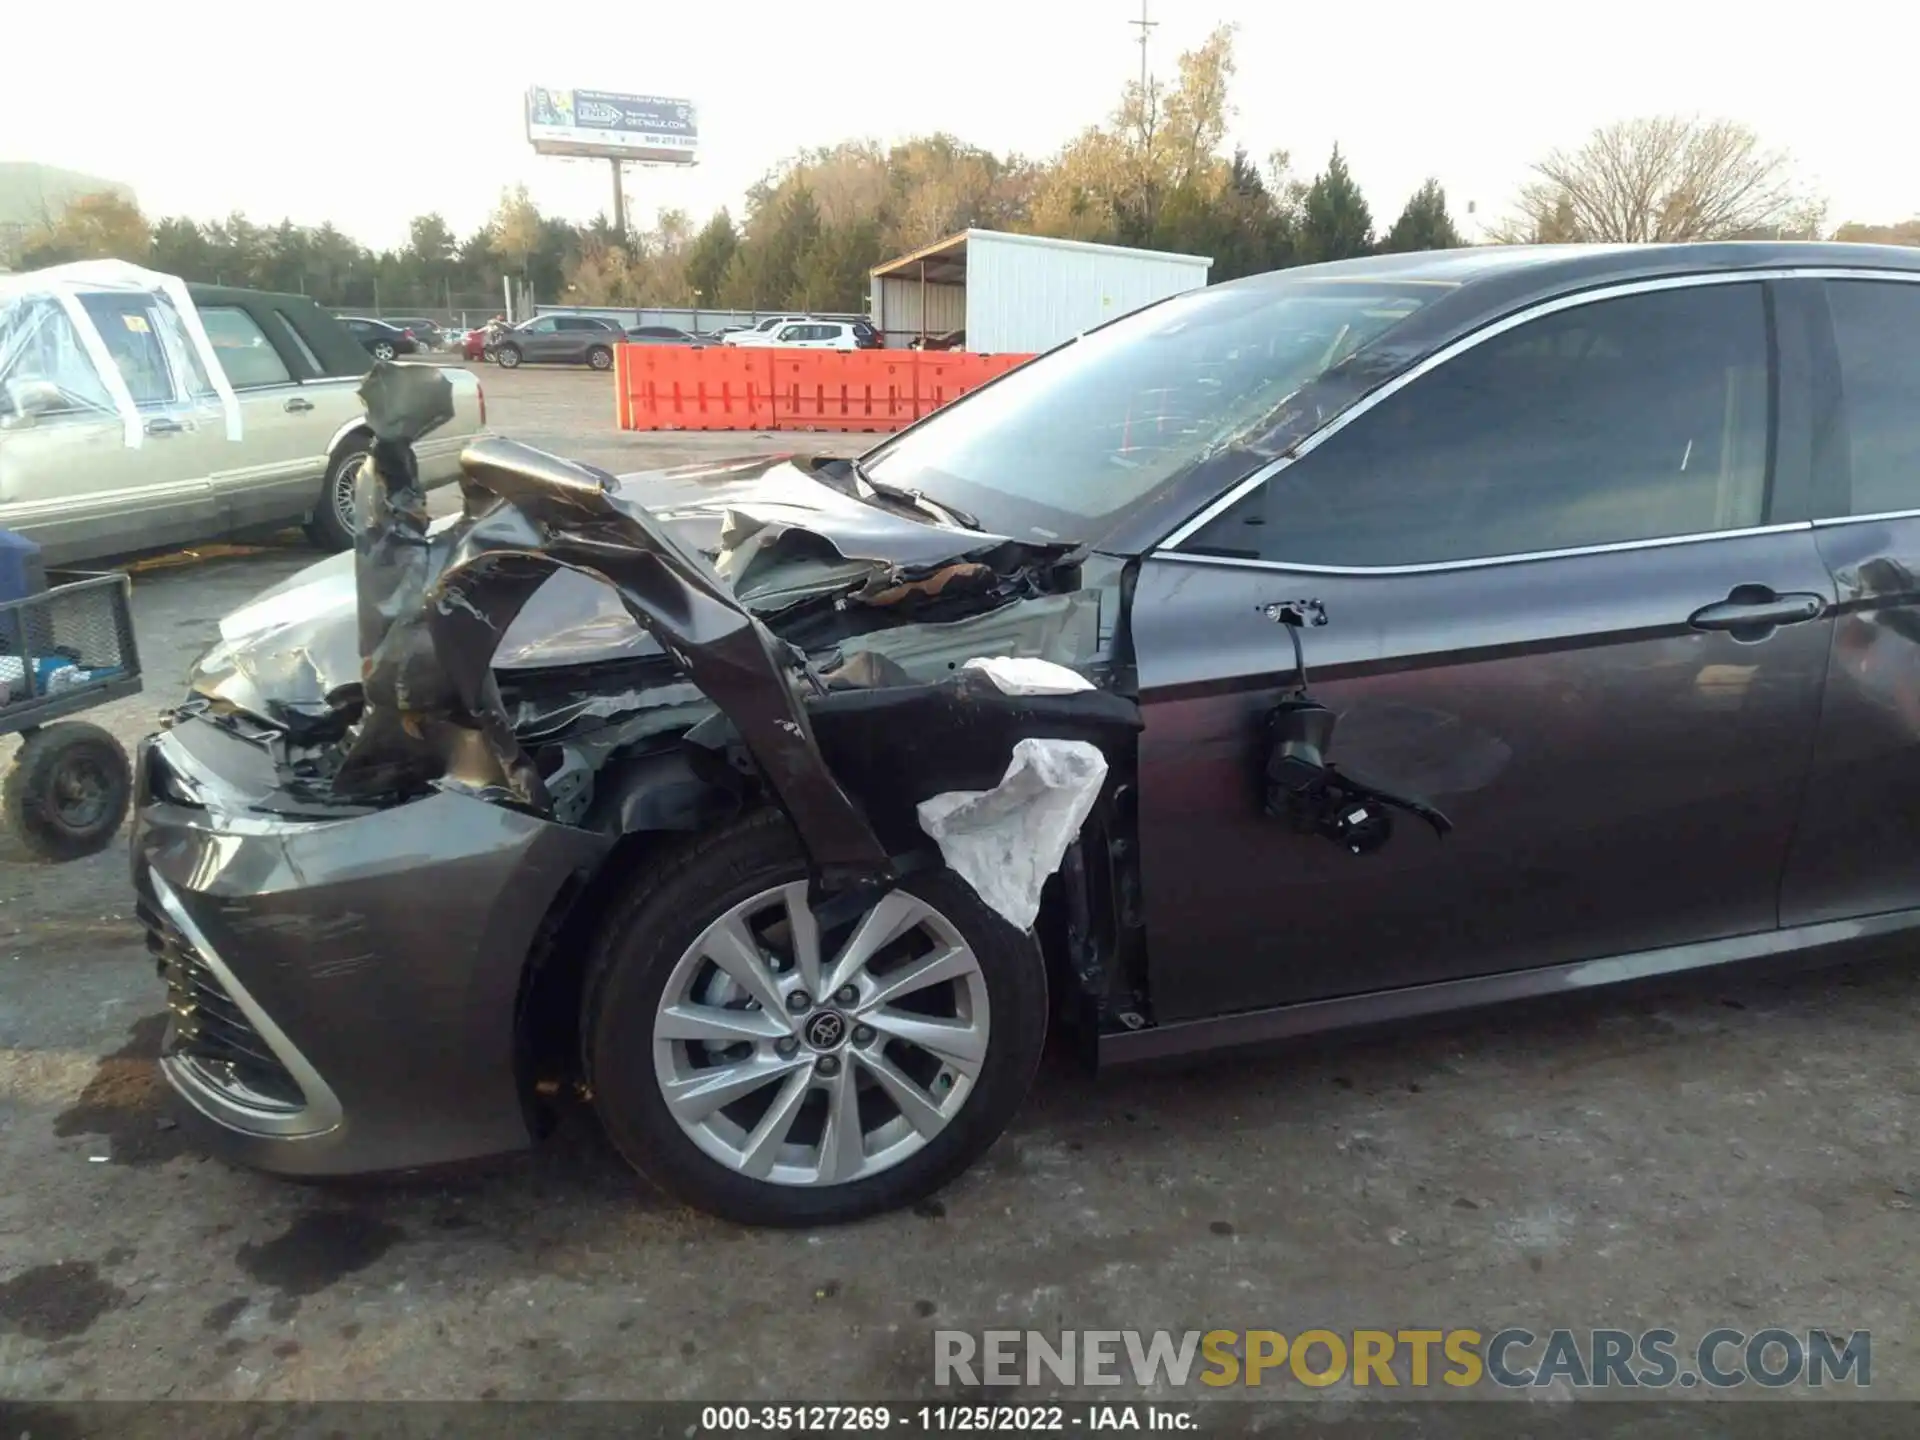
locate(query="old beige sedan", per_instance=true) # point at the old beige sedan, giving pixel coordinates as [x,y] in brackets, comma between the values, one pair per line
[138,413]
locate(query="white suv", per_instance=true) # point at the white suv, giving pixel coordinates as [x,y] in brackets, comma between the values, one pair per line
[827,335]
[762,333]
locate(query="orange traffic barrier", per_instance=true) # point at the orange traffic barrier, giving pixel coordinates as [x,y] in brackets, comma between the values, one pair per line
[674,387]
[724,389]
[841,390]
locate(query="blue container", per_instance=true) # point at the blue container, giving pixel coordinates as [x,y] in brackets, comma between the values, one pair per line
[22,572]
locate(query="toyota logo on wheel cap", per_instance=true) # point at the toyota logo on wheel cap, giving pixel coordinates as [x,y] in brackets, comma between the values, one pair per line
[826,1029]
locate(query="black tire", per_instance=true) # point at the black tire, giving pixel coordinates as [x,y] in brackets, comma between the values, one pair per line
[383,350]
[68,790]
[642,939]
[600,358]
[329,528]
[507,357]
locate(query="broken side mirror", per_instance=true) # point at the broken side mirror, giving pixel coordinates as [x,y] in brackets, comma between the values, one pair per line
[1302,787]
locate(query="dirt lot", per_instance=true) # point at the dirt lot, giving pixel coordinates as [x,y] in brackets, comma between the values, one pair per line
[1735,1154]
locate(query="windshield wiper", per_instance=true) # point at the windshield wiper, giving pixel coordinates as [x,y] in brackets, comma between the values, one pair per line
[919,500]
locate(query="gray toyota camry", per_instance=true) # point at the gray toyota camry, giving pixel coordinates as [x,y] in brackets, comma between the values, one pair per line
[1348,643]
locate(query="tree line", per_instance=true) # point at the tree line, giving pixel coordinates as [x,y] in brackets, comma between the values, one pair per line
[1156,173]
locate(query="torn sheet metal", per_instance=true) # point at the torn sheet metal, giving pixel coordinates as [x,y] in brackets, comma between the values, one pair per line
[432,610]
[85,337]
[1006,842]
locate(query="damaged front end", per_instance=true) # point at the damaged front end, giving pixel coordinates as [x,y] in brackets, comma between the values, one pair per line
[812,654]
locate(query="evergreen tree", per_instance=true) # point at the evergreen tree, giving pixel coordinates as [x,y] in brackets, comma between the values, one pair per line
[1424,224]
[1335,222]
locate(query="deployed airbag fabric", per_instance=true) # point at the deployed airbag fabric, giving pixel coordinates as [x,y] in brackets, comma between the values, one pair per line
[1006,841]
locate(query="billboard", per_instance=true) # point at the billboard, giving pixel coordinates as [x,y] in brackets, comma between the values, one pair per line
[619,127]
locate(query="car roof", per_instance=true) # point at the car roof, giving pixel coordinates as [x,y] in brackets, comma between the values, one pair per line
[1595,263]
[330,341]
[1478,285]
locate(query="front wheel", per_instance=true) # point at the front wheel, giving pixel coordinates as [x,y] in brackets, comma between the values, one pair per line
[775,1071]
[508,356]
[68,790]
[600,358]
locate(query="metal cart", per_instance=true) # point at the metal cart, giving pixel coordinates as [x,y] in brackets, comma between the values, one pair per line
[63,651]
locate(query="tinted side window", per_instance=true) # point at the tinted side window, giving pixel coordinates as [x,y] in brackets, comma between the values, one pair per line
[1625,419]
[1877,327]
[243,349]
[291,332]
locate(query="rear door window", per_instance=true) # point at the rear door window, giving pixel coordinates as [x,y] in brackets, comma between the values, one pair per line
[243,349]
[1876,325]
[1634,418]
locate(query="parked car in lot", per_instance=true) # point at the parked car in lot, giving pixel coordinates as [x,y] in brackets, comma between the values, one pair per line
[379,339]
[426,332]
[1437,629]
[85,475]
[661,335]
[763,332]
[560,340]
[951,340]
[827,335]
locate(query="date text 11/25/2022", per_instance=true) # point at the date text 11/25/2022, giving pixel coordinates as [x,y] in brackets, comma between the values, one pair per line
[924,1419]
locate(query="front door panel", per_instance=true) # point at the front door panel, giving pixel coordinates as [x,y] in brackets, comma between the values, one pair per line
[1619,780]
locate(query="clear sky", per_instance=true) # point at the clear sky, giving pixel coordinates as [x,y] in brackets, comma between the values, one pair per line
[367,114]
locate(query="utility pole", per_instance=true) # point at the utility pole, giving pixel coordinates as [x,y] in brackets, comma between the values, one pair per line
[619,201]
[1146,28]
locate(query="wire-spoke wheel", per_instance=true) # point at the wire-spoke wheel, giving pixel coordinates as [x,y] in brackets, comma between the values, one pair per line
[801,1072]
[334,518]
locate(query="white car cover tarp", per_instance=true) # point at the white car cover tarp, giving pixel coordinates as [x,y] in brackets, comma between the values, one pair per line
[52,336]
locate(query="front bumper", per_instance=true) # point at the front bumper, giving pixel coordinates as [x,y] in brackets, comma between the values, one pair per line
[343,992]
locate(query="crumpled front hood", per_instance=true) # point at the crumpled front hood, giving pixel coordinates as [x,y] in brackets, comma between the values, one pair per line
[787,535]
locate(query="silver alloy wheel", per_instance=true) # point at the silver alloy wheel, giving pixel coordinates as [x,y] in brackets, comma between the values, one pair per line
[600,359]
[343,487]
[382,350]
[796,1069]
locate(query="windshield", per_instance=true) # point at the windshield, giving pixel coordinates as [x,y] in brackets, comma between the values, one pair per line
[1059,447]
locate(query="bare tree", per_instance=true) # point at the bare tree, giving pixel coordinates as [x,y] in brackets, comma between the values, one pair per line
[1665,178]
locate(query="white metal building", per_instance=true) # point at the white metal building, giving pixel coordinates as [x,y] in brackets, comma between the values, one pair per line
[1020,294]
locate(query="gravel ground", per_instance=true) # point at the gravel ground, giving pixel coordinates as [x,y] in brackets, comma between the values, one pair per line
[1729,1153]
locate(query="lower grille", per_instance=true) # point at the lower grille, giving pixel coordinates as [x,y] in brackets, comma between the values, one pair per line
[209,1029]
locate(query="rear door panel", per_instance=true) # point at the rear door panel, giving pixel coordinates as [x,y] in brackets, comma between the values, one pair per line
[1858,848]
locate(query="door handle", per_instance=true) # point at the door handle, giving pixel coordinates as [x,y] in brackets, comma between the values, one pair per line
[1752,612]
[297,406]
[164,427]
